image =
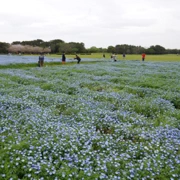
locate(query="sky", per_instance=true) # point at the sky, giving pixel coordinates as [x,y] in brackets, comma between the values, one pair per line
[99,23]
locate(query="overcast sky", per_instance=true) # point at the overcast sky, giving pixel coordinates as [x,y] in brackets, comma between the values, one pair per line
[99,23]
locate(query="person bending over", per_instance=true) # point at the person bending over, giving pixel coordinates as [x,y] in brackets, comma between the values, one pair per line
[78,59]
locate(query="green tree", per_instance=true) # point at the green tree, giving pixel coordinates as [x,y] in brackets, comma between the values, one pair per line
[150,51]
[36,42]
[77,47]
[16,42]
[111,49]
[93,49]
[158,49]
[3,47]
[56,45]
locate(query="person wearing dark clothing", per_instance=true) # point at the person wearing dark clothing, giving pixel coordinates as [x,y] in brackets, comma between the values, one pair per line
[63,58]
[41,60]
[124,55]
[78,59]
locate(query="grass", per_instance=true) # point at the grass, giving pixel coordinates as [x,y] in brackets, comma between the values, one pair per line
[158,58]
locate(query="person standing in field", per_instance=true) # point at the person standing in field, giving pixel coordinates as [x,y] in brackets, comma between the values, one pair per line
[78,59]
[124,55]
[41,60]
[63,58]
[143,56]
[114,57]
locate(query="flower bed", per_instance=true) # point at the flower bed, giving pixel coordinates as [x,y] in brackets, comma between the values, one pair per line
[91,121]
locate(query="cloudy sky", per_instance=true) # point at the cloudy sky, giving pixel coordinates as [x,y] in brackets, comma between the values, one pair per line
[99,23]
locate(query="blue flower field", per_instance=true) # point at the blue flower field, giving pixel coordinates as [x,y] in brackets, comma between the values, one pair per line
[105,120]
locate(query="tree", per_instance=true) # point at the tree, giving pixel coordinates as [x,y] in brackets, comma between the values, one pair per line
[80,46]
[140,50]
[3,48]
[16,42]
[47,50]
[93,49]
[150,51]
[111,49]
[16,48]
[160,50]
[56,45]
[37,50]
[36,42]
[172,51]
[119,49]
[28,49]
[157,49]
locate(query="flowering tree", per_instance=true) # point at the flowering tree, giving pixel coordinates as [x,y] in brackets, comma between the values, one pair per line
[18,48]
[47,50]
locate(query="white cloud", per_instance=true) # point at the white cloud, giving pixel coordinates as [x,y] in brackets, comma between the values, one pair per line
[96,23]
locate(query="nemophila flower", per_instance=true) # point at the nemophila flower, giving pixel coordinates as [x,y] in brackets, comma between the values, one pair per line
[37,167]
[59,127]
[3,175]
[63,174]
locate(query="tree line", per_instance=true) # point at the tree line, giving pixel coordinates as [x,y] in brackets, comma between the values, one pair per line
[57,46]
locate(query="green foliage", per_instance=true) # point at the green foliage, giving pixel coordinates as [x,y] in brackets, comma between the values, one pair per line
[3,48]
[57,46]
[156,50]
[111,49]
